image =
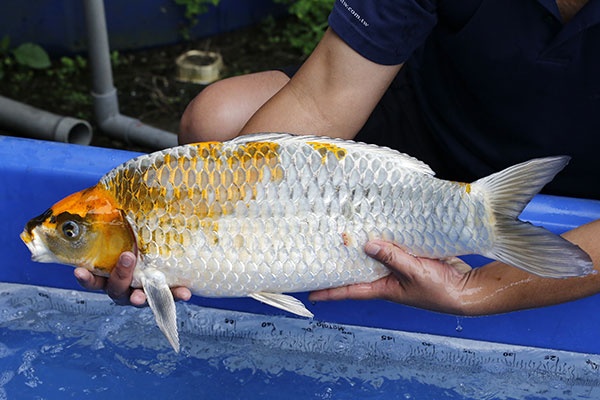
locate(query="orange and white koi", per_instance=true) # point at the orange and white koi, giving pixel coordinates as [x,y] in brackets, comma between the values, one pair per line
[267,214]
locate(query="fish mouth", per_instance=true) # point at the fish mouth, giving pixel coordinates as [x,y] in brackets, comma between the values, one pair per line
[26,237]
[39,251]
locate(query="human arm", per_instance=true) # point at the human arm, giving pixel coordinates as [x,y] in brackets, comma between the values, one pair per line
[332,94]
[494,288]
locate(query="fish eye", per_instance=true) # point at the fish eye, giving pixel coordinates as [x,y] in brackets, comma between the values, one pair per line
[71,229]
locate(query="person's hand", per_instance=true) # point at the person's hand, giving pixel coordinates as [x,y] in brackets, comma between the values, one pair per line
[415,281]
[118,285]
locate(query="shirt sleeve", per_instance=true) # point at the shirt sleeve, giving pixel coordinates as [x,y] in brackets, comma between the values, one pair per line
[383,31]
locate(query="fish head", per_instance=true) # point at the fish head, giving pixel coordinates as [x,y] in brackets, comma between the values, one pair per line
[85,229]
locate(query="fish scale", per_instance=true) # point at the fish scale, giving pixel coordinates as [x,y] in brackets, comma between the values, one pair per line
[266,214]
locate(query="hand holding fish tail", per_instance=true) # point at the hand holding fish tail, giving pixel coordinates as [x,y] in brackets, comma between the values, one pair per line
[118,285]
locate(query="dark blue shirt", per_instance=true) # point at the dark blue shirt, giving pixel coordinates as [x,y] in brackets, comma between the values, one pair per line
[497,81]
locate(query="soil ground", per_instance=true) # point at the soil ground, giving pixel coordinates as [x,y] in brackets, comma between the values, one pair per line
[145,79]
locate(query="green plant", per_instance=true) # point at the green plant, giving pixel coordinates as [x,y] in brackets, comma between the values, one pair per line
[67,68]
[307,25]
[194,8]
[28,75]
[115,58]
[29,55]
[32,55]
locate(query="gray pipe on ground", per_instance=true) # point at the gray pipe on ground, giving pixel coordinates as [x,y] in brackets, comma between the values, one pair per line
[29,121]
[104,94]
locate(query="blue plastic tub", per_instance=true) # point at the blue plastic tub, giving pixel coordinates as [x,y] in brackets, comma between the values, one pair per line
[35,174]
[59,25]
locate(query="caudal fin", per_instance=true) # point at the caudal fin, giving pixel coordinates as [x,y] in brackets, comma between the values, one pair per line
[520,244]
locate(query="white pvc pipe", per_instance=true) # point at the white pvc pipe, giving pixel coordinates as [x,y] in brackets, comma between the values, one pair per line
[17,117]
[104,94]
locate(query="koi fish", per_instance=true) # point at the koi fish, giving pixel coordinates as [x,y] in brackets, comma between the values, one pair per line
[267,214]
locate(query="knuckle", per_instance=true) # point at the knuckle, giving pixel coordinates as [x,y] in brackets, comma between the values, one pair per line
[387,256]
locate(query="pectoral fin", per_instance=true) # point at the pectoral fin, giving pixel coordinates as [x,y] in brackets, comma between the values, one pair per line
[162,304]
[284,302]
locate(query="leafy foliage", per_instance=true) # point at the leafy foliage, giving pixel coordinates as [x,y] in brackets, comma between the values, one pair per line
[32,55]
[308,23]
[25,67]
[29,55]
[194,8]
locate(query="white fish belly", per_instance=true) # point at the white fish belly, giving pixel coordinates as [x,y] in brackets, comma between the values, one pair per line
[275,255]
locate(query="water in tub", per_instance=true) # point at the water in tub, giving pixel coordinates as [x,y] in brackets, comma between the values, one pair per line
[57,344]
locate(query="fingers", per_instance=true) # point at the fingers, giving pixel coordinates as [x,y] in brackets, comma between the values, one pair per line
[403,268]
[389,255]
[138,298]
[181,293]
[118,286]
[374,249]
[402,264]
[89,281]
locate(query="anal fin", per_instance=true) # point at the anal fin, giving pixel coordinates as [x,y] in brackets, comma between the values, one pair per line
[162,304]
[283,302]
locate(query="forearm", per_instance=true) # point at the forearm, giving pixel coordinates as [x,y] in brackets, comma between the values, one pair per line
[332,94]
[497,288]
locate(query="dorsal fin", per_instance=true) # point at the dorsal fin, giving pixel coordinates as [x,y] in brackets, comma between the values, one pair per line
[405,161]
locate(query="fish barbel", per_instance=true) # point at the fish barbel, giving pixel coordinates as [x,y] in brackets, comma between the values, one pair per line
[267,214]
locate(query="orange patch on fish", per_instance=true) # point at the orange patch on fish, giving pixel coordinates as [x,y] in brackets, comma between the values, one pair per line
[346,239]
[94,200]
[208,182]
[328,148]
[466,186]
